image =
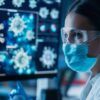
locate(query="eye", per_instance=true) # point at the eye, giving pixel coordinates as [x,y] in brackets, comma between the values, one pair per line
[73,34]
[80,35]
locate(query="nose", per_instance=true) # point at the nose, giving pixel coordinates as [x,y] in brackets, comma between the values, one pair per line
[69,39]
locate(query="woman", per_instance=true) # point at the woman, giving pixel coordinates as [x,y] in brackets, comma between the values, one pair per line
[81,44]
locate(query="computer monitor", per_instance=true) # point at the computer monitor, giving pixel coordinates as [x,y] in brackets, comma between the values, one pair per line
[29,38]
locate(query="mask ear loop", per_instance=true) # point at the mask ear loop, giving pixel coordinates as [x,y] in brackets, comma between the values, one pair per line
[94,39]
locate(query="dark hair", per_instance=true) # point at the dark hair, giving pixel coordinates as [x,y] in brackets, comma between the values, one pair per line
[89,9]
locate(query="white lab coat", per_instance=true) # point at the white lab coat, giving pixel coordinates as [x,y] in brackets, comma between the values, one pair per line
[92,89]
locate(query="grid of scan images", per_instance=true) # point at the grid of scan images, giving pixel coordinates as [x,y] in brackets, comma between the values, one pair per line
[29,36]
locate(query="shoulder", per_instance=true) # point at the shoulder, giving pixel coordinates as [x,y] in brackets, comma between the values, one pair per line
[96,89]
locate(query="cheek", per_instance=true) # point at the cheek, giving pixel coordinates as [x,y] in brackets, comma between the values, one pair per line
[94,49]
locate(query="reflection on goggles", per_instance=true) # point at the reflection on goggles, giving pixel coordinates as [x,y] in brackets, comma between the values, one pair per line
[74,36]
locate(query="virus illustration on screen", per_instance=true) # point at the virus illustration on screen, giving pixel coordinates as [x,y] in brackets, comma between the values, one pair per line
[43,28]
[54,14]
[32,4]
[2,57]
[58,1]
[48,57]
[2,2]
[22,25]
[49,1]
[30,35]
[53,27]
[18,3]
[17,24]
[1,26]
[21,60]
[44,12]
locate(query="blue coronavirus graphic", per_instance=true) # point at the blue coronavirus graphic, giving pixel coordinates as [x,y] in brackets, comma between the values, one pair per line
[18,24]
[48,57]
[21,28]
[18,3]
[32,4]
[2,2]
[21,36]
[21,61]
[44,12]
[49,1]
[54,14]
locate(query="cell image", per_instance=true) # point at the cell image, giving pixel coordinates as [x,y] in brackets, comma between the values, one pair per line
[54,14]
[21,38]
[58,1]
[18,3]
[47,58]
[48,28]
[22,61]
[44,12]
[49,1]
[32,4]
[18,33]
[2,2]
[29,37]
[22,28]
[52,1]
[53,28]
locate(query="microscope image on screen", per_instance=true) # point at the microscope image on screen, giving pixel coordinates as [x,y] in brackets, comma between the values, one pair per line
[29,37]
[46,59]
[18,41]
[22,28]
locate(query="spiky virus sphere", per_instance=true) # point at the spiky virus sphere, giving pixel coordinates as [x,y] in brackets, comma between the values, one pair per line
[18,3]
[48,57]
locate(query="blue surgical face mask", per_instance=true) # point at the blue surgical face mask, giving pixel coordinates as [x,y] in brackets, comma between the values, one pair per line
[76,57]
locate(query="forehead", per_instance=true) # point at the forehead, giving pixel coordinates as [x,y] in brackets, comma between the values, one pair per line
[77,21]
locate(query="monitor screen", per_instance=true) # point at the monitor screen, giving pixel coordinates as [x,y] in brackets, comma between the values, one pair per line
[29,38]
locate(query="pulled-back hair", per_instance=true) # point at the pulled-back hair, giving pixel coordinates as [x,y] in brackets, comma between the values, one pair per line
[88,8]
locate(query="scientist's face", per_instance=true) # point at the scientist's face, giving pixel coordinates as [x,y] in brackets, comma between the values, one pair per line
[79,22]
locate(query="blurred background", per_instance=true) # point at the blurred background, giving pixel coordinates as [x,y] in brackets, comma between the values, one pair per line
[30,45]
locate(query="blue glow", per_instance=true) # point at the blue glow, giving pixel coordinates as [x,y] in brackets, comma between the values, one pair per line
[2,57]
[21,32]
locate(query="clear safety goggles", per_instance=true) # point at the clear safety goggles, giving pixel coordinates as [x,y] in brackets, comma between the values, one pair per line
[77,36]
